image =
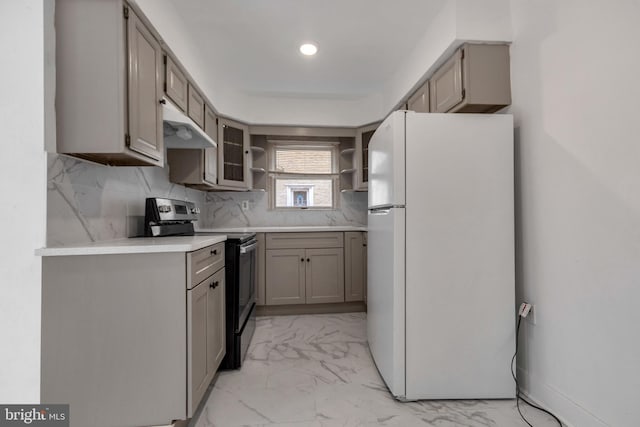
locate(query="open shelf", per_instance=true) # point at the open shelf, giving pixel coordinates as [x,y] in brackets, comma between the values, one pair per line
[258,170]
[346,171]
[257,149]
[347,151]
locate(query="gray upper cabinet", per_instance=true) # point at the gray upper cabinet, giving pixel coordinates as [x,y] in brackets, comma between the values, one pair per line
[196,106]
[108,84]
[233,154]
[210,122]
[145,112]
[446,85]
[419,101]
[363,137]
[476,79]
[175,83]
[211,166]
[194,167]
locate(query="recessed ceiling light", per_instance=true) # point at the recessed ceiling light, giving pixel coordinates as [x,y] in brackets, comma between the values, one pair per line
[308,49]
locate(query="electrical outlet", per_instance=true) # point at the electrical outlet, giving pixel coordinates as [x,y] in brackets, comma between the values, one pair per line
[245,205]
[532,314]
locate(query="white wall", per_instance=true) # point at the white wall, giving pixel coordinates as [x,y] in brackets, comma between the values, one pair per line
[255,109]
[457,22]
[575,68]
[22,185]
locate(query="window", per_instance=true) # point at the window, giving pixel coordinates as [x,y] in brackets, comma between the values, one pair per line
[303,175]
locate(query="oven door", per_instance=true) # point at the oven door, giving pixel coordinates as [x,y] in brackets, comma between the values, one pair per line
[247,263]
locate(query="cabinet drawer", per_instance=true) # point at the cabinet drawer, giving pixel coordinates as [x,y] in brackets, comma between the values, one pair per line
[305,240]
[204,262]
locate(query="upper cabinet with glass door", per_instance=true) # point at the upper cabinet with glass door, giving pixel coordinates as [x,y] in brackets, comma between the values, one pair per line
[233,155]
[363,137]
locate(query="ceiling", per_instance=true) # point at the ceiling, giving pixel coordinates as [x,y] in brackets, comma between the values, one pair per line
[252,45]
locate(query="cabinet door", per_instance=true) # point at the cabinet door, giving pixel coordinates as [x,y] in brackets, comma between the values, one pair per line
[197,334]
[324,275]
[419,101]
[211,165]
[260,282]
[233,154]
[363,137]
[175,84]
[145,88]
[354,255]
[210,123]
[216,342]
[445,86]
[196,107]
[285,275]
[365,266]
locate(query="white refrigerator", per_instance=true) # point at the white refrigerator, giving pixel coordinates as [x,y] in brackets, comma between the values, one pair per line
[440,302]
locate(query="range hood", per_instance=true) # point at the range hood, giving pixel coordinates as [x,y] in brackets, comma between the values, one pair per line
[182,132]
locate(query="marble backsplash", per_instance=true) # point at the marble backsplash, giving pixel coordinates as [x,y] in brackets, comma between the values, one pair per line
[87,202]
[225,210]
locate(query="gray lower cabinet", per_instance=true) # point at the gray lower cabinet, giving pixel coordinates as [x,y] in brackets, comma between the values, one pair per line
[206,342]
[261,270]
[355,255]
[304,268]
[324,279]
[285,276]
[476,79]
[109,75]
[131,332]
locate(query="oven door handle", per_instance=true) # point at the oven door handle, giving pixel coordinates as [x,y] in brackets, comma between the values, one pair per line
[248,248]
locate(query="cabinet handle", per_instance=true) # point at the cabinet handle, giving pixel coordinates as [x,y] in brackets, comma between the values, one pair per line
[301,259]
[163,101]
[246,152]
[214,285]
[214,252]
[308,260]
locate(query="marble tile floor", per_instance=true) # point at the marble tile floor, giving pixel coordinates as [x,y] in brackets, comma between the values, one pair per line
[316,371]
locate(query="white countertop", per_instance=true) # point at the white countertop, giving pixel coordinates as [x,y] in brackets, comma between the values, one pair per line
[136,245]
[276,229]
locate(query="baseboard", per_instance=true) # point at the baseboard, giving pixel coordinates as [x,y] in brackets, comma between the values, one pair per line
[296,309]
[567,410]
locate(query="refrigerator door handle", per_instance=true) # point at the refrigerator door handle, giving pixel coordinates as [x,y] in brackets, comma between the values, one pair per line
[385,211]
